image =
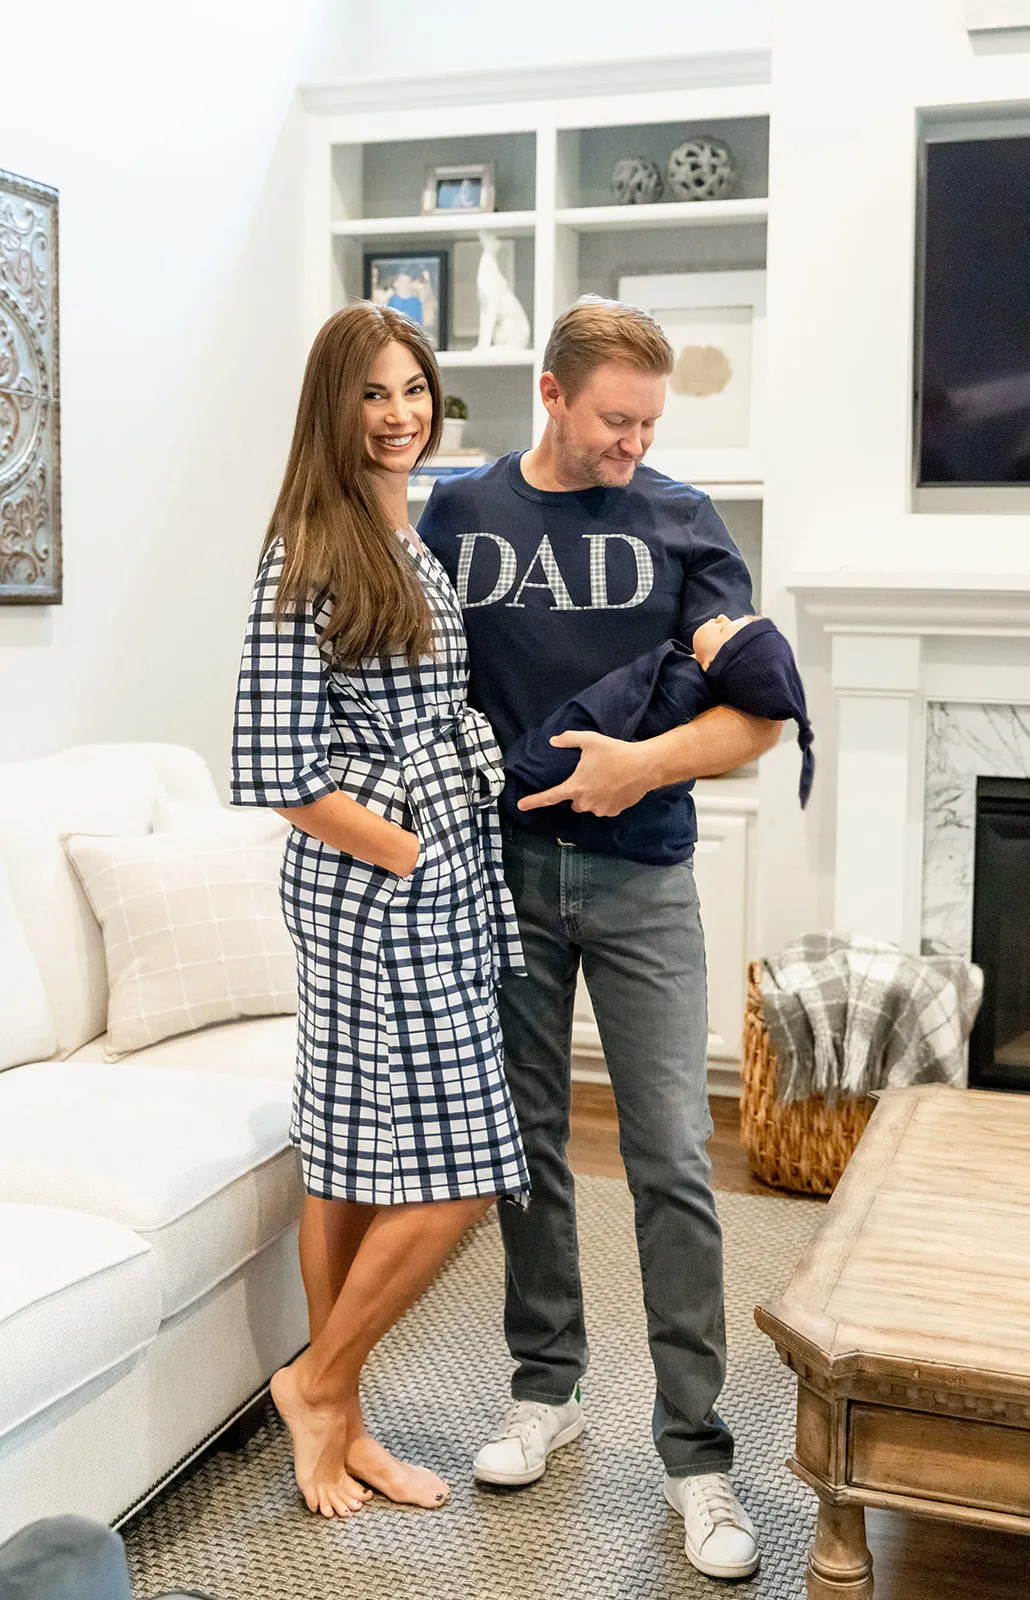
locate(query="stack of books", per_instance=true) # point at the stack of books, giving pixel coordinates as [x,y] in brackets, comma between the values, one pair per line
[449,464]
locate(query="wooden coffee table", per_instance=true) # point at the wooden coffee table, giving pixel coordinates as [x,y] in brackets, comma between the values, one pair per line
[908,1325]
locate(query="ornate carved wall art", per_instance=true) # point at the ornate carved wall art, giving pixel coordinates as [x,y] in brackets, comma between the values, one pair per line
[30,483]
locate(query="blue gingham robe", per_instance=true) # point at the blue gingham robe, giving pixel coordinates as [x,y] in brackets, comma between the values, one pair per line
[400,1092]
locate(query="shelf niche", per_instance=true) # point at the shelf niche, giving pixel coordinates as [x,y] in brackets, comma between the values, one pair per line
[384,178]
[586,156]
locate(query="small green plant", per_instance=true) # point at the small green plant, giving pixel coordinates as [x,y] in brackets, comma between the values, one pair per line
[455,410]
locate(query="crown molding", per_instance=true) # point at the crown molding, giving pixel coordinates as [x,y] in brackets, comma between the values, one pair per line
[648,75]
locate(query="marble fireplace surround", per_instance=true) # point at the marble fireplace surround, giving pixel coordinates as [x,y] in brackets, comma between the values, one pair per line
[931,675]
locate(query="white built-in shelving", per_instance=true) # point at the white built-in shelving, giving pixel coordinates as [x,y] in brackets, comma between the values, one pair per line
[512,224]
[489,357]
[722,493]
[553,135]
[661,214]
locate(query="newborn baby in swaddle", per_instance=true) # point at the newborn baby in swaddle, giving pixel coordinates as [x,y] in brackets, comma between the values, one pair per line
[746,663]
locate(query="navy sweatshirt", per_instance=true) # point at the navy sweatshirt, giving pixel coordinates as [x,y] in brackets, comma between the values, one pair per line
[557,589]
[754,671]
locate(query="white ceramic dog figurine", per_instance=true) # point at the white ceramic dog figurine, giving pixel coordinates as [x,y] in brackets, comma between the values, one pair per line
[502,321]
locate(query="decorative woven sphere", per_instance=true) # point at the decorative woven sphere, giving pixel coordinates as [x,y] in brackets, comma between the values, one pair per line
[701,169]
[635,181]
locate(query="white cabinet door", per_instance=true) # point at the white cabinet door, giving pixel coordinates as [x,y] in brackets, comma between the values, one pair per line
[720,871]
[721,874]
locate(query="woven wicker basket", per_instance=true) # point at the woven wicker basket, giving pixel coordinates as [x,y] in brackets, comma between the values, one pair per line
[804,1146]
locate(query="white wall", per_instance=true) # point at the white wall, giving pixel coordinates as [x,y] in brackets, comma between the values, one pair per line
[462,35]
[174,137]
[847,82]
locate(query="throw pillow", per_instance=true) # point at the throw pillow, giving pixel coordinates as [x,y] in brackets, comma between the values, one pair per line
[193,927]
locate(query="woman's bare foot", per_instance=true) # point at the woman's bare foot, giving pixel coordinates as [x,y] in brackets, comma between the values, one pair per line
[398,1480]
[328,1489]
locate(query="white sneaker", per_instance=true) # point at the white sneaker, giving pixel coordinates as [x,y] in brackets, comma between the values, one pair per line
[517,1452]
[719,1536]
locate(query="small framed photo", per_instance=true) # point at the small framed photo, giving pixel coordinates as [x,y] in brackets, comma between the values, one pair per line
[462,188]
[413,282]
[711,429]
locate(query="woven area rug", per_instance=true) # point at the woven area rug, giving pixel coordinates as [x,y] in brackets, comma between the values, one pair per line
[594,1528]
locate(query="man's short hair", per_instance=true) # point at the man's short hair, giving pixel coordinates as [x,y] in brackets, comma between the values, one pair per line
[595,330]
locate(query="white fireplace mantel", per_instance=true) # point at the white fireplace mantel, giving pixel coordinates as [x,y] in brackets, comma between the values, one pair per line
[917,603]
[899,641]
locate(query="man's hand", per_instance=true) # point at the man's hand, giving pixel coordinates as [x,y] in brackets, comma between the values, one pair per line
[610,776]
[613,774]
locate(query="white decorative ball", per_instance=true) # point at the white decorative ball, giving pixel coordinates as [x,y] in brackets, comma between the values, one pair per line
[701,169]
[635,182]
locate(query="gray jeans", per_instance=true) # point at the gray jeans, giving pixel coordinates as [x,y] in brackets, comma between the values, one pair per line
[637,931]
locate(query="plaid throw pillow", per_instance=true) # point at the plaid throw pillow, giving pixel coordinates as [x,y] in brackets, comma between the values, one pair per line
[192,924]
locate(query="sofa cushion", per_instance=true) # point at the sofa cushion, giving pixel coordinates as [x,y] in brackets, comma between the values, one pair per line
[198,1164]
[177,816]
[260,1047]
[179,771]
[26,1024]
[78,1296]
[40,800]
[193,927]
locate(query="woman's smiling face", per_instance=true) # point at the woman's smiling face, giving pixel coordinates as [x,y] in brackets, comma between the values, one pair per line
[398,409]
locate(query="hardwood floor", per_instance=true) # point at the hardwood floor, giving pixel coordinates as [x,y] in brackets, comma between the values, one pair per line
[594,1142]
[913,1558]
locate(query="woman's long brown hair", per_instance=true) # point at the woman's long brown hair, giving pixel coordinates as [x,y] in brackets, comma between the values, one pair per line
[336,538]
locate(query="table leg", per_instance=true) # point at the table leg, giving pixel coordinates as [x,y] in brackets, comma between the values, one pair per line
[839,1564]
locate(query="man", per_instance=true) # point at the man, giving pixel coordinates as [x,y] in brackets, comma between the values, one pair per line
[571,560]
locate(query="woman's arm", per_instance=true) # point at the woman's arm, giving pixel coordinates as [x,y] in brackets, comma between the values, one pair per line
[283,734]
[347,825]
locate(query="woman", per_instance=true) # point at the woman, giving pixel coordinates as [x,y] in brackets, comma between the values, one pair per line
[352,722]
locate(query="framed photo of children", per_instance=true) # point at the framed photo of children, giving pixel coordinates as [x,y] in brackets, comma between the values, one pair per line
[460,188]
[414,282]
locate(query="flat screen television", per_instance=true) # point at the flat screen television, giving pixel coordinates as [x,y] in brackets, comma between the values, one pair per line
[973,313]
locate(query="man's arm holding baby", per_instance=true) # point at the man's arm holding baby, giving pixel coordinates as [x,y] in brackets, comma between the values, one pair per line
[613,774]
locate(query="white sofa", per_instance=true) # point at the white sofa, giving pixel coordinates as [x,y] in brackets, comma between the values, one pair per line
[148,1208]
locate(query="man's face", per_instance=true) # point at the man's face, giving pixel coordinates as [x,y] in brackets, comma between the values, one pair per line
[604,432]
[402,285]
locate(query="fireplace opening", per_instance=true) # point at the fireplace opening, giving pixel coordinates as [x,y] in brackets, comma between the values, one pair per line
[999,1049]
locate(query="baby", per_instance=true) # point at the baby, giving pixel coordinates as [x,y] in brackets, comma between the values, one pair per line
[746,663]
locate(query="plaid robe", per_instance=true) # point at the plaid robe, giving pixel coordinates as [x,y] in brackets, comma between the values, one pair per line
[400,1091]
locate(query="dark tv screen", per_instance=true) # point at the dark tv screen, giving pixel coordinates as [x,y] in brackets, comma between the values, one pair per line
[973,365]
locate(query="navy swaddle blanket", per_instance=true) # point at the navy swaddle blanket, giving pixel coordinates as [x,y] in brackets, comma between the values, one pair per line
[754,671]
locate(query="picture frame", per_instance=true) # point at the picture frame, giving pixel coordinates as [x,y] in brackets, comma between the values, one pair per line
[414,282]
[30,395]
[712,427]
[466,187]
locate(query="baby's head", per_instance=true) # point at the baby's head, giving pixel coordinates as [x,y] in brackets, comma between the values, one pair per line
[710,637]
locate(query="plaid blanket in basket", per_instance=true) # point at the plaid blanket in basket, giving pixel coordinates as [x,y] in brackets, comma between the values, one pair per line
[848,1015]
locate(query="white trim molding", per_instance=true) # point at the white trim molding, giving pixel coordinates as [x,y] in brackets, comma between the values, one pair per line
[924,603]
[997,16]
[897,642]
[717,69]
